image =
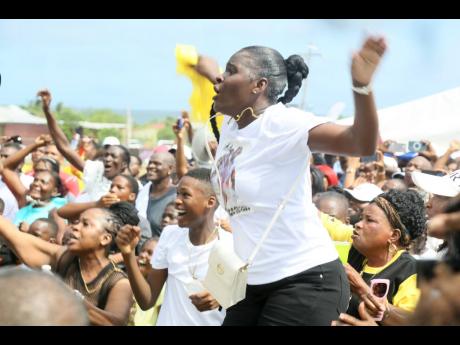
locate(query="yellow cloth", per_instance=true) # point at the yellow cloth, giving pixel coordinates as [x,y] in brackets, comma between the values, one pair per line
[70,170]
[147,317]
[202,89]
[408,294]
[337,230]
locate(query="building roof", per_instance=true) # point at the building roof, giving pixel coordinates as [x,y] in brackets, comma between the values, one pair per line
[15,114]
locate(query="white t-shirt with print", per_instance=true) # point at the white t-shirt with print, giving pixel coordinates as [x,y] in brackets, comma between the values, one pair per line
[258,165]
[176,253]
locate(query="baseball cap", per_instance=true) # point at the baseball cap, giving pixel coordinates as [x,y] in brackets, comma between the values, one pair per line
[187,151]
[110,141]
[329,173]
[448,185]
[365,192]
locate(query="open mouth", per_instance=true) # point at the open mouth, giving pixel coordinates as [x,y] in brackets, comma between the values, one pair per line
[355,235]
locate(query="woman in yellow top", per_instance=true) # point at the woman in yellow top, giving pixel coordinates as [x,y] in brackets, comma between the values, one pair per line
[380,241]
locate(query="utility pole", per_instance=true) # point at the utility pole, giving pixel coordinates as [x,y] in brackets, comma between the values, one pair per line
[312,50]
[129,126]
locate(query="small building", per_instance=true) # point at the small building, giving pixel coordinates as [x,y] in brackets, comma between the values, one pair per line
[17,121]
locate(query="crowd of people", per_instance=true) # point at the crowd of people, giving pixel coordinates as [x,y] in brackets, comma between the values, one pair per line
[90,235]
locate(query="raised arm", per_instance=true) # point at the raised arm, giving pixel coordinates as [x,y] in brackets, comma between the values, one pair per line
[360,139]
[13,161]
[181,161]
[14,184]
[73,210]
[58,135]
[33,251]
[147,291]
[442,161]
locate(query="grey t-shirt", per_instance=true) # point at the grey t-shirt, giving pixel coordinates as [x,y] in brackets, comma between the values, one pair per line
[156,207]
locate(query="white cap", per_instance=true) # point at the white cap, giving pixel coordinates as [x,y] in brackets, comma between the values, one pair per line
[111,141]
[365,192]
[391,164]
[187,151]
[448,185]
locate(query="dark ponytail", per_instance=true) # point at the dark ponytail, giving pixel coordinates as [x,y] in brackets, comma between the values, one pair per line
[297,71]
[214,127]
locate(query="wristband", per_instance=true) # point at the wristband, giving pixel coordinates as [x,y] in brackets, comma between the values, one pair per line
[362,90]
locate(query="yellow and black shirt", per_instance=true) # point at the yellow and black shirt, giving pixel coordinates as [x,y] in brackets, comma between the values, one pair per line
[400,270]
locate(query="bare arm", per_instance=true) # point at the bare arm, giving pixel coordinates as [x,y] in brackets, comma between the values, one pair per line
[208,67]
[74,209]
[442,161]
[116,311]
[181,161]
[60,222]
[13,161]
[145,291]
[58,135]
[360,139]
[15,185]
[33,251]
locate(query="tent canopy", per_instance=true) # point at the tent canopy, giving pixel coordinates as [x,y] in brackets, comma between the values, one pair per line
[435,118]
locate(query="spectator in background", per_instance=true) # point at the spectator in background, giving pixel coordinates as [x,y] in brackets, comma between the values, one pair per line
[417,163]
[30,298]
[155,195]
[318,181]
[135,165]
[359,197]
[45,193]
[394,183]
[446,162]
[97,175]
[7,150]
[2,206]
[442,190]
[139,317]
[123,188]
[170,215]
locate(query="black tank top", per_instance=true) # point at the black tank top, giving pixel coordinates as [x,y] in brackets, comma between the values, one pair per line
[97,291]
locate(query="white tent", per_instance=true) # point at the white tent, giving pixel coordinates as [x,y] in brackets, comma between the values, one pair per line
[436,118]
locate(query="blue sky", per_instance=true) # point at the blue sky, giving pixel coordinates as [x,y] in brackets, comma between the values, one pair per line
[130,63]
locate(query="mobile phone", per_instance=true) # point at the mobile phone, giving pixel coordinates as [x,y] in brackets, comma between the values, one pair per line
[417,146]
[379,288]
[397,147]
[425,270]
[15,139]
[180,123]
[368,159]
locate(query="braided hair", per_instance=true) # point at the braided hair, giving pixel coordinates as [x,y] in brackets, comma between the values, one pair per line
[118,215]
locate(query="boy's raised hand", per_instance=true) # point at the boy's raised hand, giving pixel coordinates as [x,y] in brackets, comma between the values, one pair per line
[128,238]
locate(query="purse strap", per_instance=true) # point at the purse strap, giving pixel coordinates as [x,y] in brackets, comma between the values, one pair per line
[280,208]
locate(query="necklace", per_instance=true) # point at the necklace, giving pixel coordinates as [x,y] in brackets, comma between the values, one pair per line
[100,282]
[192,270]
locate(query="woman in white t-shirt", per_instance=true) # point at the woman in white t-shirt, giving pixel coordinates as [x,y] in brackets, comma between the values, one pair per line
[181,258]
[296,277]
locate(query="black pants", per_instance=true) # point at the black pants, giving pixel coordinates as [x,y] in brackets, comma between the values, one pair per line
[314,297]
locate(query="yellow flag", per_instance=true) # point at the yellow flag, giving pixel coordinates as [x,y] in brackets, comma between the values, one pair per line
[202,89]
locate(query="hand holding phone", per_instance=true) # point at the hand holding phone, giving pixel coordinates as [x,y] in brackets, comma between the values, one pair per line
[417,146]
[379,289]
[180,122]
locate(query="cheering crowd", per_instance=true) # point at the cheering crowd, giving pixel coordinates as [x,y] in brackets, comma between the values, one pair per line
[338,226]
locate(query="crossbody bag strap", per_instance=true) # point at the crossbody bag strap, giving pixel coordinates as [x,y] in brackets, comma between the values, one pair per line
[278,211]
[275,217]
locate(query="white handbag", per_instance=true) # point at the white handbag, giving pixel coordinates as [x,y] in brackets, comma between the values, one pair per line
[227,274]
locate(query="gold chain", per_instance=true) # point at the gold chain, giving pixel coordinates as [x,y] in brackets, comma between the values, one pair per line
[106,276]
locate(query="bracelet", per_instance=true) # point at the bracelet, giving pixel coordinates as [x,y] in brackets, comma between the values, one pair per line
[362,90]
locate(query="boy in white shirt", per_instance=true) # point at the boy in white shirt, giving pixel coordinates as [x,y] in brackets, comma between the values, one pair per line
[180,258]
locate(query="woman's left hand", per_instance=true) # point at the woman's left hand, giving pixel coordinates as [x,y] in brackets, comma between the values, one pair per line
[365,62]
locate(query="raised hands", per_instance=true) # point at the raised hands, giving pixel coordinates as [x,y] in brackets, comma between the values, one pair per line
[45,96]
[365,61]
[43,140]
[207,67]
[127,238]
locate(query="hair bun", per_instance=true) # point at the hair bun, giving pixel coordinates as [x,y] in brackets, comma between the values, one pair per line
[296,64]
